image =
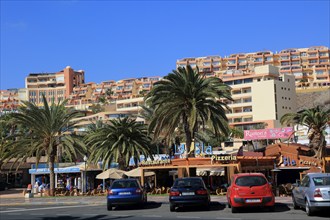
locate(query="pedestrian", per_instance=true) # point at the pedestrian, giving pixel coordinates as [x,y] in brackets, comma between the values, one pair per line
[36,187]
[29,188]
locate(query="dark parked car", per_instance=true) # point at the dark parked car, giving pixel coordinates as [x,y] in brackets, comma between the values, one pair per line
[4,186]
[250,189]
[125,192]
[189,191]
[313,193]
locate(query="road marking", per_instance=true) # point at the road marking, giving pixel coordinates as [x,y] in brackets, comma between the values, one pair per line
[152,216]
[188,217]
[90,214]
[229,218]
[37,214]
[16,208]
[46,208]
[63,214]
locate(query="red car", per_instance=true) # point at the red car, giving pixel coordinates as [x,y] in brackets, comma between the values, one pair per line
[250,189]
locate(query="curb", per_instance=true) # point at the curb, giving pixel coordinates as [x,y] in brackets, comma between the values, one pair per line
[161,200]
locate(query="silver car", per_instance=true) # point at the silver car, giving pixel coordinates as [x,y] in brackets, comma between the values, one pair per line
[312,193]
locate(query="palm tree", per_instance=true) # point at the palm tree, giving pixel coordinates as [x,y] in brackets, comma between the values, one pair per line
[315,119]
[188,98]
[49,129]
[6,129]
[118,141]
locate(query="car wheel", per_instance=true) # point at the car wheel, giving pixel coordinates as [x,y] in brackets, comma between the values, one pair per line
[294,203]
[271,208]
[308,209]
[109,207]
[208,207]
[172,207]
[234,210]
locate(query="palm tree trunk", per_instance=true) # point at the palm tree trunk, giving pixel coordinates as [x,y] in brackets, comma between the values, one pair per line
[188,136]
[317,143]
[52,175]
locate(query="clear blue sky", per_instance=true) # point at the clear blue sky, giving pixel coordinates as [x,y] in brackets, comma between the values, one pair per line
[114,40]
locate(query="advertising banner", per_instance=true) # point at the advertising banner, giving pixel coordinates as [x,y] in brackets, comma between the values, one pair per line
[270,133]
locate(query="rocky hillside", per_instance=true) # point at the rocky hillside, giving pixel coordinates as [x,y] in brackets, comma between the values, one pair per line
[310,99]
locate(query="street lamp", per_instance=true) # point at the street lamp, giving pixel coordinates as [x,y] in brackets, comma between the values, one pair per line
[85,184]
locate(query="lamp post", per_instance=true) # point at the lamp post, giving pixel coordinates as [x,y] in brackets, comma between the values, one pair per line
[85,179]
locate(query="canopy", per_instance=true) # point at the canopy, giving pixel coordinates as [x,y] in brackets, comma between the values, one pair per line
[137,173]
[111,173]
[213,171]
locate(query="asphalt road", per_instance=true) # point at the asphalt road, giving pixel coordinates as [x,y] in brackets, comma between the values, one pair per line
[153,210]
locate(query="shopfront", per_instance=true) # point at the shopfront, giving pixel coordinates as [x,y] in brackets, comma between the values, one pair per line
[224,165]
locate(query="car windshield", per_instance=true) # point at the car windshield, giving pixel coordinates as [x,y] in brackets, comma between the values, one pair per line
[322,181]
[124,184]
[250,181]
[186,183]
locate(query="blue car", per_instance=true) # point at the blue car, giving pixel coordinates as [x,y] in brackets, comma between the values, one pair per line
[126,192]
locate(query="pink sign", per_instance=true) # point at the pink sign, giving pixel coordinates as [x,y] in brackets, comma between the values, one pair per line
[270,133]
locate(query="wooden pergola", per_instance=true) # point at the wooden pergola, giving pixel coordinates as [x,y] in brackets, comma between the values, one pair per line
[232,164]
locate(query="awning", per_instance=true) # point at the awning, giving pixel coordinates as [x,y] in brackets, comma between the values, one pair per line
[137,173]
[111,173]
[74,169]
[294,168]
[210,171]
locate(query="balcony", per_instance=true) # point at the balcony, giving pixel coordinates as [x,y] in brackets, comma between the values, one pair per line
[284,58]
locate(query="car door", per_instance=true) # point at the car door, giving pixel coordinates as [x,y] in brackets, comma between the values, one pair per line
[301,190]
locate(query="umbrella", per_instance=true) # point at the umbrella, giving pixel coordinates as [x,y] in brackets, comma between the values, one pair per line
[137,173]
[111,173]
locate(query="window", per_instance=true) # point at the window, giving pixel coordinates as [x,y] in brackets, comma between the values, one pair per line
[321,181]
[251,181]
[305,182]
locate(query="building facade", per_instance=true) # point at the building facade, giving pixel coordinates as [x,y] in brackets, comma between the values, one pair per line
[261,98]
[54,86]
[310,66]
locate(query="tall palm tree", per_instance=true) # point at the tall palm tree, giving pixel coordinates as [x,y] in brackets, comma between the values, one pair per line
[6,129]
[315,119]
[49,127]
[118,141]
[189,98]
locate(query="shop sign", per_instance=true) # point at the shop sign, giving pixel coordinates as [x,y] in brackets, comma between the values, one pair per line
[158,159]
[308,163]
[200,149]
[223,158]
[270,133]
[287,161]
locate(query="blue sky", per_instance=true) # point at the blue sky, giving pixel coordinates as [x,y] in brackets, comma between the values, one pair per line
[114,40]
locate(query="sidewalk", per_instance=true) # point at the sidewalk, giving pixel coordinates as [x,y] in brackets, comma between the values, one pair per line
[15,197]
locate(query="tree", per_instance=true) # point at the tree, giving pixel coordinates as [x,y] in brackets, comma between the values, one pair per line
[315,119]
[118,141]
[6,129]
[96,108]
[49,128]
[189,98]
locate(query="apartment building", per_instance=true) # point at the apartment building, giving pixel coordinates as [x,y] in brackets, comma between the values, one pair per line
[124,93]
[310,66]
[55,86]
[261,98]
